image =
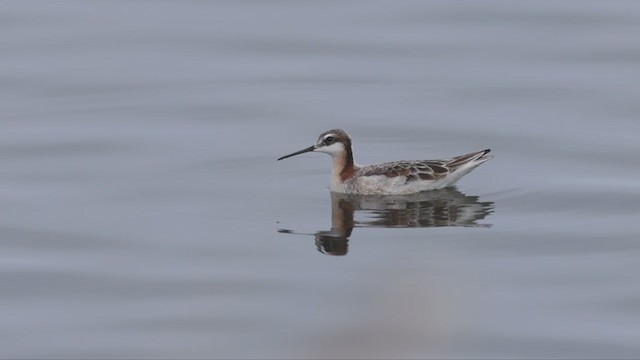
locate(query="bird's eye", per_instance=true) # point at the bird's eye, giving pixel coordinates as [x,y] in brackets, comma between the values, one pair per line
[329,139]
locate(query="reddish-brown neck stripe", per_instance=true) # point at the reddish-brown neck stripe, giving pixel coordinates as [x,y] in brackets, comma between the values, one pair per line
[346,164]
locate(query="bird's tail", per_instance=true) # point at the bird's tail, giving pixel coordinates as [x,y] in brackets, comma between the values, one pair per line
[469,160]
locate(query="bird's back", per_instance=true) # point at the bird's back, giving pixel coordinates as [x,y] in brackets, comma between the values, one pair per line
[405,177]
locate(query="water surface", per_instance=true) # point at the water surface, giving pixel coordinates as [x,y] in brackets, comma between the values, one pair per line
[143,213]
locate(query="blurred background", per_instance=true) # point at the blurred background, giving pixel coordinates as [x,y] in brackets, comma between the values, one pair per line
[143,214]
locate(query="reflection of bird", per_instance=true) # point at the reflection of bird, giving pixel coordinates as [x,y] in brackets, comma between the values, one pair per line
[391,178]
[446,207]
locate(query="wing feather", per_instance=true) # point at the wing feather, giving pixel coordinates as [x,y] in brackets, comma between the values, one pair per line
[413,170]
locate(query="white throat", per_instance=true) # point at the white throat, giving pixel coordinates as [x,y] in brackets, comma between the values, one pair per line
[335,150]
[342,166]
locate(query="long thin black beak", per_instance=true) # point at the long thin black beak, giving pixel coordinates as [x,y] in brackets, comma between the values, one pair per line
[310,148]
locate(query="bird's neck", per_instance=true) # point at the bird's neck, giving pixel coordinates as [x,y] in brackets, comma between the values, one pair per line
[343,166]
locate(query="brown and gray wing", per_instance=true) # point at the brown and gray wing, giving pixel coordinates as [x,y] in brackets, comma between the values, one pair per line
[412,170]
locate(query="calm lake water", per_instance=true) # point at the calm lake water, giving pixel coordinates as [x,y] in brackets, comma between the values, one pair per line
[143,214]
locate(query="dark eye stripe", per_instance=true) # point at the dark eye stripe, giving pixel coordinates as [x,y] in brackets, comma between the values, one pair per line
[329,139]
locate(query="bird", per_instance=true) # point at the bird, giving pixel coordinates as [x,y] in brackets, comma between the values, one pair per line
[389,178]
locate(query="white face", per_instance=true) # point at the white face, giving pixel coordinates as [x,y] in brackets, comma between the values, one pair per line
[334,149]
[329,144]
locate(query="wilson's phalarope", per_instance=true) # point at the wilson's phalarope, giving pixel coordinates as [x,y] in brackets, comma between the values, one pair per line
[391,178]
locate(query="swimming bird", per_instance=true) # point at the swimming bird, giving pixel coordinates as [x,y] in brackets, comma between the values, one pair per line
[390,178]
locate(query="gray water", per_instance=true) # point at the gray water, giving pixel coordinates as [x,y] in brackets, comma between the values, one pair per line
[143,214]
